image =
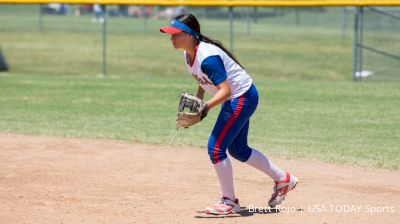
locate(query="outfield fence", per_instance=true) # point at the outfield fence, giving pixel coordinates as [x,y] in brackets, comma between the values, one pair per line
[376,55]
[229,3]
[353,19]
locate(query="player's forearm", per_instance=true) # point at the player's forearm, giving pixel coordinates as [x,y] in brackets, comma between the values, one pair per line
[224,91]
[200,92]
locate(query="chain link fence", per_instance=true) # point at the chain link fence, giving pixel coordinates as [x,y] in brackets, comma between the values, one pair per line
[381,32]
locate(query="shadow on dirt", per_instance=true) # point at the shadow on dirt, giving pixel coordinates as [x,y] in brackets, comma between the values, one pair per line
[244,213]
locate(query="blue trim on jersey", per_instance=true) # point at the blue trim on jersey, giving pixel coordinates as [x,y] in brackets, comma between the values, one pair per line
[213,67]
[185,28]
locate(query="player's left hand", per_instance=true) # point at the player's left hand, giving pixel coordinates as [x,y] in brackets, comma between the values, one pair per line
[196,110]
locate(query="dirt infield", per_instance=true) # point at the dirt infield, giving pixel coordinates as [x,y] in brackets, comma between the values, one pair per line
[59,180]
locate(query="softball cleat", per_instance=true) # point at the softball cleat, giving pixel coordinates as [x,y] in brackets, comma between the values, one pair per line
[281,189]
[225,206]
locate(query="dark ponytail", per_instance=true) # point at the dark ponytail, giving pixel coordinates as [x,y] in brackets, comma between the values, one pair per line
[192,22]
[219,44]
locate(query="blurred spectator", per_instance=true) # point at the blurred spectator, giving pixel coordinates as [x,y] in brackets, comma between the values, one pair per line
[3,63]
[171,12]
[180,10]
[122,10]
[148,11]
[142,11]
[99,12]
[55,9]
[83,9]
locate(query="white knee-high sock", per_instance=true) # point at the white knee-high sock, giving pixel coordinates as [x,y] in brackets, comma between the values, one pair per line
[225,176]
[262,163]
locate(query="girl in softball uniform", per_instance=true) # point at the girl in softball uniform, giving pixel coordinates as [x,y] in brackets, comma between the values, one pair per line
[220,74]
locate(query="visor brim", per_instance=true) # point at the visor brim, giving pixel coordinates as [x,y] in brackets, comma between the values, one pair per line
[170,30]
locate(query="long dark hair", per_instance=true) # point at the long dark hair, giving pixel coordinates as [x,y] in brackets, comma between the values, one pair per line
[192,22]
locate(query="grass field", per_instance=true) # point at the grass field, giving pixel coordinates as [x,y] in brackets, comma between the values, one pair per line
[309,107]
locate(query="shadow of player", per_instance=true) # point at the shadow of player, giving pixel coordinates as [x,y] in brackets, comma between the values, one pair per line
[244,213]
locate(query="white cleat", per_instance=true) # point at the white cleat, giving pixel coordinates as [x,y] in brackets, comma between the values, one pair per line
[224,207]
[281,189]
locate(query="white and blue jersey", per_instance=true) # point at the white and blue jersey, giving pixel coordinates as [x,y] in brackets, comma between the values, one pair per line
[212,66]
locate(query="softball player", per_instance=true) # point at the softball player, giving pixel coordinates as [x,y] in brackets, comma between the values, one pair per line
[220,74]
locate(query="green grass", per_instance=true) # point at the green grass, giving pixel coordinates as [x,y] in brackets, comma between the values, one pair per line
[80,53]
[331,121]
[309,108]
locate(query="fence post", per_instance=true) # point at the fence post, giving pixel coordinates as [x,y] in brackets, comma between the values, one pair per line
[231,27]
[255,14]
[104,41]
[40,19]
[360,47]
[344,21]
[355,44]
[297,13]
[248,20]
[144,28]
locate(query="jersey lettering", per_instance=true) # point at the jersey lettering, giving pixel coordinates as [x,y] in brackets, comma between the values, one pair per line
[202,80]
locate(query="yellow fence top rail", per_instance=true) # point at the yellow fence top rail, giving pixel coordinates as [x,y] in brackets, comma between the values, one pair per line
[219,2]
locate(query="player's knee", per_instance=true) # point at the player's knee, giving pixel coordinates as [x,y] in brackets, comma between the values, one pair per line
[216,154]
[240,152]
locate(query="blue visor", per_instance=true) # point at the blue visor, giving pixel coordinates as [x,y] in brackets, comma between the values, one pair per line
[185,28]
